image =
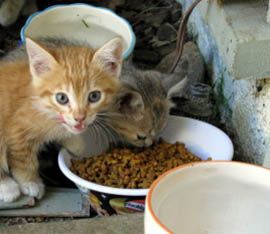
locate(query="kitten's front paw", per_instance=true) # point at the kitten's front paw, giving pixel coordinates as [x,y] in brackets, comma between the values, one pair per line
[9,190]
[33,189]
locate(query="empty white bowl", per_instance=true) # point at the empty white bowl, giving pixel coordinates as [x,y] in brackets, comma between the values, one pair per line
[210,197]
[82,22]
[201,138]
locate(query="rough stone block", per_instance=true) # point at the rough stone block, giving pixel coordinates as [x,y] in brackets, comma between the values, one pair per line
[234,40]
[241,33]
[63,202]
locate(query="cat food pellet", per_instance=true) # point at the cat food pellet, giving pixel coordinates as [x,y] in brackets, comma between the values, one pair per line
[138,168]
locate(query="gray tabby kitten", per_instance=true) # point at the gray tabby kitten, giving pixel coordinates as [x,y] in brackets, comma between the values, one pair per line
[11,9]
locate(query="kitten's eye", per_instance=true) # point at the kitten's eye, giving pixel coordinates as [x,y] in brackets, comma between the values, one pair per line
[62,98]
[94,96]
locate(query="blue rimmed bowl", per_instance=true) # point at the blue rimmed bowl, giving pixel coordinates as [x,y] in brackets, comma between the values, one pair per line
[81,22]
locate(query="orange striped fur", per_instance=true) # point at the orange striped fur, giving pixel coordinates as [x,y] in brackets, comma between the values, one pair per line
[31,115]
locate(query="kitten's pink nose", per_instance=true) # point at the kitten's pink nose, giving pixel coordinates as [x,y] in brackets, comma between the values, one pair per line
[79,118]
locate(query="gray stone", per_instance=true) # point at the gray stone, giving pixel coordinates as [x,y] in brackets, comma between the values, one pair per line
[140,27]
[148,31]
[156,18]
[176,15]
[128,14]
[136,5]
[166,32]
[191,62]
[199,102]
[166,49]
[146,56]
[177,24]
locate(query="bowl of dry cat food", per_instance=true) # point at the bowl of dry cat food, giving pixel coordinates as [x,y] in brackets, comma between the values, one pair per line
[80,22]
[210,197]
[117,181]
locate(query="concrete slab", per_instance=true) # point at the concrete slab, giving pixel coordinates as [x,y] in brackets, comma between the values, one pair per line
[62,202]
[22,202]
[237,60]
[121,224]
[241,33]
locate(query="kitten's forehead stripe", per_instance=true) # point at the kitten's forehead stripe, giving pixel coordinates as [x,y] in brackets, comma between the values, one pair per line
[81,59]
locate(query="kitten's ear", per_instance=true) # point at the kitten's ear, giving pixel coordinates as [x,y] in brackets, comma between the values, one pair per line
[109,57]
[130,103]
[40,60]
[179,89]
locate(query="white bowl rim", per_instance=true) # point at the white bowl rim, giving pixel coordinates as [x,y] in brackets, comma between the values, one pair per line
[173,170]
[132,35]
[230,144]
[93,186]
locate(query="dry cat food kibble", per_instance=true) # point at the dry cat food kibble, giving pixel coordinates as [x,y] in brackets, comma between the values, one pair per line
[138,168]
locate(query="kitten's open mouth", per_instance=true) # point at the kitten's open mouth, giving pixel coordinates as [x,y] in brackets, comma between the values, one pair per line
[78,128]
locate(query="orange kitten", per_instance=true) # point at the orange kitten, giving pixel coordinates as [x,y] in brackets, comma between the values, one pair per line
[55,94]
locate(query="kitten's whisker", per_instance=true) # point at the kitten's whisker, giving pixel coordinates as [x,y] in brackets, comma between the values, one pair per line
[98,136]
[103,129]
[104,137]
[90,129]
[108,133]
[108,114]
[93,127]
[96,132]
[115,137]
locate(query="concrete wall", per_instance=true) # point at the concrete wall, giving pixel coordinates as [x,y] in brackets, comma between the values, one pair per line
[237,53]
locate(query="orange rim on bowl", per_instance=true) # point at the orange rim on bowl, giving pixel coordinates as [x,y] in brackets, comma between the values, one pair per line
[188,165]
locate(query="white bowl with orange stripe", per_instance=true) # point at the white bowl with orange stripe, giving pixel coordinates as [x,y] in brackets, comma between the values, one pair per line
[212,197]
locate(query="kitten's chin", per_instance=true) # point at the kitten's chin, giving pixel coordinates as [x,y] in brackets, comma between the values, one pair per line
[143,143]
[76,131]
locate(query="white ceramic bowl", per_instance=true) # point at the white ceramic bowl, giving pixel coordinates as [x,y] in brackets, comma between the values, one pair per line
[83,22]
[201,138]
[210,197]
